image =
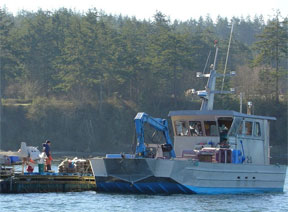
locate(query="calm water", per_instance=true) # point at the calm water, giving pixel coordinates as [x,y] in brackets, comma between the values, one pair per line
[93,201]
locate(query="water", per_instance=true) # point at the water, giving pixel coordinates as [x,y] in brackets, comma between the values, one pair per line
[93,201]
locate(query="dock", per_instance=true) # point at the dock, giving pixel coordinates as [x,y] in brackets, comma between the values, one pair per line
[46,182]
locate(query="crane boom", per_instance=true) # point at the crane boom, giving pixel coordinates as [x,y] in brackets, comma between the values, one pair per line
[158,124]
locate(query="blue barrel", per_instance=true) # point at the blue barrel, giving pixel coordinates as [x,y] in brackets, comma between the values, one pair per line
[236,156]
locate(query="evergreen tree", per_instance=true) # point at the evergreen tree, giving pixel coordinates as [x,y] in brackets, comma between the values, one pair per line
[8,59]
[272,48]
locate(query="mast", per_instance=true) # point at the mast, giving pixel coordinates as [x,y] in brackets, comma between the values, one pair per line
[208,100]
[208,94]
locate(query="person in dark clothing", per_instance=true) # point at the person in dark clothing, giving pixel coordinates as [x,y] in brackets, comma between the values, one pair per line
[47,150]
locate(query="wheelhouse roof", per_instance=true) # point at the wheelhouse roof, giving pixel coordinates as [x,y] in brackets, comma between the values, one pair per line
[217,113]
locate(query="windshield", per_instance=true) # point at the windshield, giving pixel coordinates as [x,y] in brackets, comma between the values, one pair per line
[235,126]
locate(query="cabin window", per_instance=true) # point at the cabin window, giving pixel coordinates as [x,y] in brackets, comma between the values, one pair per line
[248,127]
[181,128]
[240,129]
[224,124]
[257,131]
[235,126]
[195,128]
[210,128]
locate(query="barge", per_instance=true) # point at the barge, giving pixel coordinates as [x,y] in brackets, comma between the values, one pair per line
[48,182]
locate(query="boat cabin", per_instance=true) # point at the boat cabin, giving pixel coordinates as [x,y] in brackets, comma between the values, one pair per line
[241,138]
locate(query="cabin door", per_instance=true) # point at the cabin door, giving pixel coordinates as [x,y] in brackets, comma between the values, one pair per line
[250,138]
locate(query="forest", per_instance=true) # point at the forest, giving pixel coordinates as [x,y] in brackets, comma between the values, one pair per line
[79,79]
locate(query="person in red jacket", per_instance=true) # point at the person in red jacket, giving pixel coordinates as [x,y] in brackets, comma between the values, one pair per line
[30,165]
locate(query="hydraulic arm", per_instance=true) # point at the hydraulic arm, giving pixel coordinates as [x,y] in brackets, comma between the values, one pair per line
[158,124]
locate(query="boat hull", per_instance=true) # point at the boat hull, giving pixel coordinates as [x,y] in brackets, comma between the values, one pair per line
[160,176]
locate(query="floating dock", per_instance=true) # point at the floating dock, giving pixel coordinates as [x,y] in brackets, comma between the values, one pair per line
[46,182]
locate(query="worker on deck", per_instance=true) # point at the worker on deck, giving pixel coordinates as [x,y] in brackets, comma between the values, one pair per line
[30,164]
[47,150]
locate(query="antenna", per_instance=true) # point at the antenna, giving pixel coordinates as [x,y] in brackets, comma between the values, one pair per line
[227,56]
[241,100]
[206,62]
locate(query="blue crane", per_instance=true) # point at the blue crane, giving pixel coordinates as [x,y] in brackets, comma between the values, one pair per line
[158,124]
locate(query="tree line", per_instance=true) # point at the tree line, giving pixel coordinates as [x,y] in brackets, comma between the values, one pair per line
[67,59]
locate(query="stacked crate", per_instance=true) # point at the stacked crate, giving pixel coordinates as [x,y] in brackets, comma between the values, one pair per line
[75,166]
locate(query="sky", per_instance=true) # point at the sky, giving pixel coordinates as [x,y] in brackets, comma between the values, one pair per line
[145,9]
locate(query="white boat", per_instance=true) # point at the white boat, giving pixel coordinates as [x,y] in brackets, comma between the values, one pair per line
[214,152]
